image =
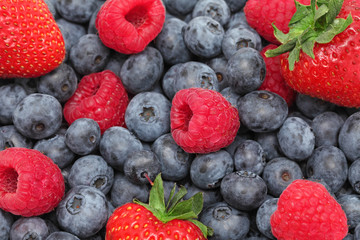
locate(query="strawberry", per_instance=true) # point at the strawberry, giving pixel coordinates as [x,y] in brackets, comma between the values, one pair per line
[155,220]
[31,43]
[261,14]
[324,51]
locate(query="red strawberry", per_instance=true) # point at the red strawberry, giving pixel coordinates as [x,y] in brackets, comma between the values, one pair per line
[155,221]
[306,210]
[324,61]
[100,96]
[31,43]
[261,14]
[129,26]
[274,81]
[202,120]
[31,183]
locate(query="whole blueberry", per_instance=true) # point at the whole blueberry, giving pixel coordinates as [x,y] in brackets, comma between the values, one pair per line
[350,203]
[243,190]
[11,137]
[115,62]
[227,222]
[218,64]
[207,170]
[169,79]
[262,111]
[349,137]
[354,175]
[230,95]
[263,215]
[78,11]
[326,127]
[249,156]
[10,95]
[216,9]
[245,70]
[148,115]
[83,211]
[61,235]
[270,144]
[311,106]
[6,221]
[29,228]
[38,116]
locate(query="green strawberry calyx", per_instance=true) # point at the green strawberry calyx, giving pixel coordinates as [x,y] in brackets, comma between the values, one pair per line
[314,23]
[176,207]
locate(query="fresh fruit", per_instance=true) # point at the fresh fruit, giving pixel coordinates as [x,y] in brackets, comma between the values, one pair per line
[129,26]
[155,220]
[202,120]
[323,60]
[306,210]
[261,14]
[30,183]
[100,96]
[31,43]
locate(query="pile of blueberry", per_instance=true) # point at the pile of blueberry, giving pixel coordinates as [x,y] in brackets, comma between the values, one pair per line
[206,44]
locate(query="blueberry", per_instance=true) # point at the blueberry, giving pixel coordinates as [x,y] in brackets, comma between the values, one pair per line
[170,42]
[356,233]
[203,36]
[227,222]
[350,203]
[6,221]
[78,11]
[141,71]
[124,191]
[89,55]
[91,25]
[243,190]
[29,228]
[10,95]
[116,145]
[61,235]
[236,5]
[249,156]
[207,170]
[311,106]
[262,111]
[51,5]
[270,144]
[349,137]
[91,170]
[148,115]
[263,215]
[29,84]
[328,163]
[238,139]
[218,64]
[115,62]
[175,162]
[231,96]
[56,149]
[180,7]
[210,196]
[296,139]
[216,9]
[240,37]
[237,19]
[11,137]
[83,136]
[38,116]
[142,165]
[279,173]
[83,211]
[354,175]
[60,83]
[245,70]
[169,79]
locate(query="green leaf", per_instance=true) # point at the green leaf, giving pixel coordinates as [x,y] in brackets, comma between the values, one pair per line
[338,26]
[156,198]
[282,37]
[172,192]
[281,49]
[294,56]
[206,231]
[176,198]
[322,10]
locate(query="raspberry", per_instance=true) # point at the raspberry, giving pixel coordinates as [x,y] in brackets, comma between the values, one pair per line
[202,120]
[31,183]
[274,81]
[306,210]
[100,96]
[129,26]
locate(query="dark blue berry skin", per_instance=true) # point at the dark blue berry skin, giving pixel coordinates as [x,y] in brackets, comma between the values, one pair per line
[29,228]
[89,54]
[38,116]
[6,221]
[243,190]
[237,19]
[326,127]
[170,42]
[354,175]
[350,203]
[11,137]
[240,37]
[91,25]
[269,143]
[207,170]
[61,235]
[216,9]
[356,234]
[116,145]
[245,70]
[262,111]
[115,62]
[329,164]
[279,173]
[311,106]
[175,162]
[141,71]
[93,171]
[56,149]
[148,115]
[83,211]
[140,164]
[296,139]
[179,7]
[227,222]
[60,83]
[349,137]
[10,95]
[249,156]
[218,64]
[263,215]
[75,10]
[124,191]
[236,5]
[210,196]
[203,36]
[51,5]
[169,79]
[83,136]
[29,84]
[231,96]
